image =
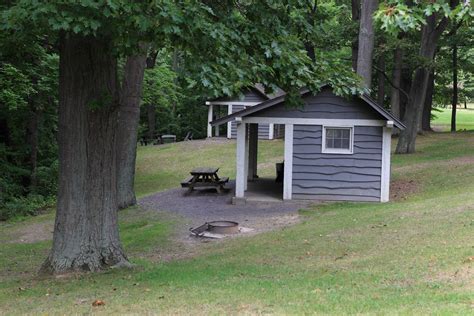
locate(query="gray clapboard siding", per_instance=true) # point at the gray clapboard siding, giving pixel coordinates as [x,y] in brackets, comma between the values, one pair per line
[263,131]
[325,105]
[321,176]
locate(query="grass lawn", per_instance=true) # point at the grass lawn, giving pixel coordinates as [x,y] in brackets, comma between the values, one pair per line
[414,255]
[464,119]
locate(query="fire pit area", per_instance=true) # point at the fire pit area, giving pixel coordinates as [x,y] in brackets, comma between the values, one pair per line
[218,229]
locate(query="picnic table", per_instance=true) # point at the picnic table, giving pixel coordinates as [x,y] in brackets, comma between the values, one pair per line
[205,178]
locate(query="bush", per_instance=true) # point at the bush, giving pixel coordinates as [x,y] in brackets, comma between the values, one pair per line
[24,206]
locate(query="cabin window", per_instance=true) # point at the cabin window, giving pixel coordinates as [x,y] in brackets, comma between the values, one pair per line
[338,140]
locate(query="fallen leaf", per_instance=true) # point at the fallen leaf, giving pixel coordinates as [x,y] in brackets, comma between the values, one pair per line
[98,303]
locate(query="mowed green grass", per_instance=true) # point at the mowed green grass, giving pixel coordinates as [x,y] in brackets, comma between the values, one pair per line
[464,119]
[413,255]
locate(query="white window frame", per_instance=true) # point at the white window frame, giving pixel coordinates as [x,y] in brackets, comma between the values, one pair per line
[339,151]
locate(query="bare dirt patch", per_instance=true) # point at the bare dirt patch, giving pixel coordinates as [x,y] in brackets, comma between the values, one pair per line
[463,275]
[403,188]
[32,233]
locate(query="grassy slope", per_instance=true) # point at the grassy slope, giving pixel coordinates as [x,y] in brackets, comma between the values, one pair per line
[406,256]
[464,119]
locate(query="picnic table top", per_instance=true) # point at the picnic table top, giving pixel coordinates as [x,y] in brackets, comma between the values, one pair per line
[204,171]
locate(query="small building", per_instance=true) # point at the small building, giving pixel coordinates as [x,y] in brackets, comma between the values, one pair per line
[224,106]
[334,148]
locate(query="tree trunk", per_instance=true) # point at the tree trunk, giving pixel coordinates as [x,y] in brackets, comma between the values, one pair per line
[381,81]
[366,41]
[414,108]
[454,102]
[428,106]
[397,78]
[355,41]
[151,115]
[128,121]
[86,235]
[33,136]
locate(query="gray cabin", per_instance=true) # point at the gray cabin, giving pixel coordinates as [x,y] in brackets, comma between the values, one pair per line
[334,149]
[224,106]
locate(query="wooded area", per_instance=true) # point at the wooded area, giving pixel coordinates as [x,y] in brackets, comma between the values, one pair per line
[81,82]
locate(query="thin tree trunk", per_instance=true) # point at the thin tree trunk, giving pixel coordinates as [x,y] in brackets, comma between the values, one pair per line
[366,41]
[33,136]
[414,108]
[151,116]
[397,77]
[381,81]
[86,235]
[355,41]
[128,121]
[454,102]
[426,117]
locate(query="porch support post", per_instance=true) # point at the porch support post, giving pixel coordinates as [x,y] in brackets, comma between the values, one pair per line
[240,179]
[229,124]
[385,176]
[217,116]
[253,151]
[288,168]
[209,120]
[246,157]
[271,130]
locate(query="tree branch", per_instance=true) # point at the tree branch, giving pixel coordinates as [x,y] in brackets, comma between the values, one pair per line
[391,83]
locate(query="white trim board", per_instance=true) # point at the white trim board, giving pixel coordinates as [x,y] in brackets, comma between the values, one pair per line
[232,103]
[240,161]
[308,121]
[385,173]
[288,167]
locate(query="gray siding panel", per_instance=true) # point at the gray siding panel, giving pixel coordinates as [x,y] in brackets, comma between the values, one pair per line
[262,128]
[321,176]
[325,105]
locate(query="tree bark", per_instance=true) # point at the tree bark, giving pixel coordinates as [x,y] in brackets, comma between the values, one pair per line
[454,102]
[355,41]
[431,33]
[86,235]
[428,106]
[397,78]
[128,121]
[381,81]
[366,41]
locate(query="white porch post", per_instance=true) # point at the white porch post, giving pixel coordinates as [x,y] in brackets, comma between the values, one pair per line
[246,157]
[271,130]
[240,178]
[385,176]
[288,168]
[253,151]
[209,120]
[229,124]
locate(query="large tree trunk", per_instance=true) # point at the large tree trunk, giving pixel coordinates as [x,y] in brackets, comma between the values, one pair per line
[397,81]
[414,108]
[128,121]
[366,41]
[86,235]
[426,117]
[355,41]
[454,102]
[381,81]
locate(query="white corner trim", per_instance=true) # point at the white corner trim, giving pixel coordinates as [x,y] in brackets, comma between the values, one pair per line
[240,162]
[385,176]
[390,124]
[288,167]
[229,124]
[309,121]
[238,119]
[271,130]
[325,150]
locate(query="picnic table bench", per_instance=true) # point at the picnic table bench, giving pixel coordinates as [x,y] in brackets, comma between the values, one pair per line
[205,178]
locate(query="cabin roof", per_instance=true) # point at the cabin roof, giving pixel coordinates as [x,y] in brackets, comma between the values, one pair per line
[303,93]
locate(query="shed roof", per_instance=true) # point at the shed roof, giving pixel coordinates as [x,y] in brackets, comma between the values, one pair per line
[304,92]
